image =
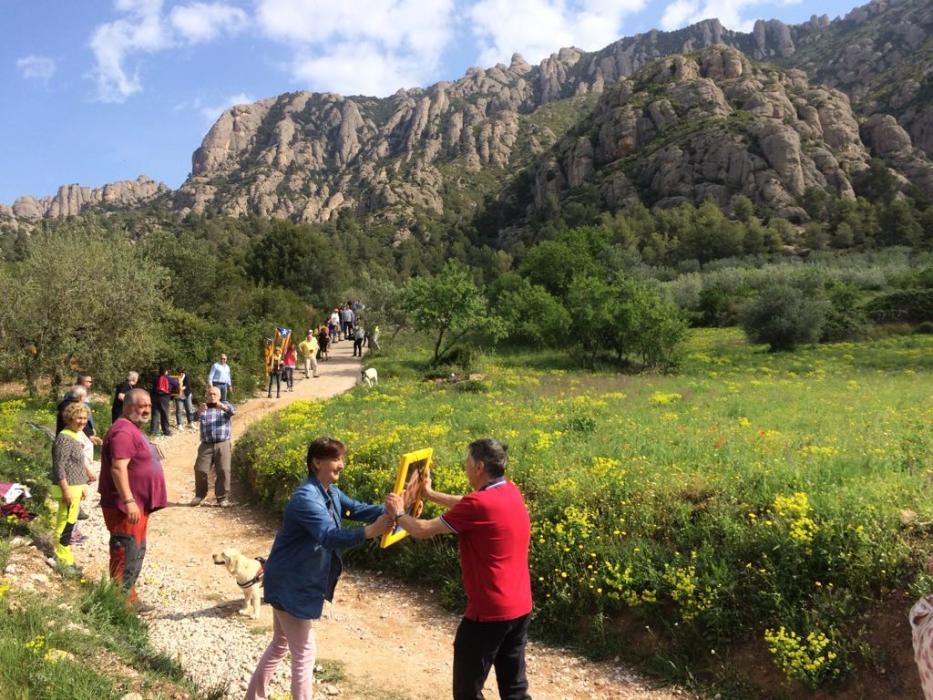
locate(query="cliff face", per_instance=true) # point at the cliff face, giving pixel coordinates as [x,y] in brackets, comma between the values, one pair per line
[692,130]
[881,55]
[304,155]
[714,124]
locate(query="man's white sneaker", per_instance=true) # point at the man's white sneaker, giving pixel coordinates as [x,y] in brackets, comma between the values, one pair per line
[196,501]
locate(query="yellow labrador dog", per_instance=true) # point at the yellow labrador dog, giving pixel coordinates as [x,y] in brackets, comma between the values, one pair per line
[248,574]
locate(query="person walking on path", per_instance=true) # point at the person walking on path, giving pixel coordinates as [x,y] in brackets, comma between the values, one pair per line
[346,321]
[333,325]
[275,375]
[289,363]
[358,335]
[309,347]
[70,474]
[305,564]
[221,377]
[132,488]
[182,398]
[494,532]
[161,400]
[128,384]
[323,343]
[214,451]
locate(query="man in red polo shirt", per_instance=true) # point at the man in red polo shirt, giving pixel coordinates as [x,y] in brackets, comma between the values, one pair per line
[494,532]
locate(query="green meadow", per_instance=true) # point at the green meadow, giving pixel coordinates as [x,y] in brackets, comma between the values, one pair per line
[759,503]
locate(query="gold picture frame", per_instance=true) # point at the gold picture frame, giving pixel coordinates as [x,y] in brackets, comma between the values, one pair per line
[413,468]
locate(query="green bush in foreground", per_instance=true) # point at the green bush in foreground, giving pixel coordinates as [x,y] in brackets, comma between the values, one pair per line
[753,493]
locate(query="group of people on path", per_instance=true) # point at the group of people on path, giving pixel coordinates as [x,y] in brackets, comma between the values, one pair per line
[306,559]
[73,459]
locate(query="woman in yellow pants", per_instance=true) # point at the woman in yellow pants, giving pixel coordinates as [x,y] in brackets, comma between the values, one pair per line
[69,478]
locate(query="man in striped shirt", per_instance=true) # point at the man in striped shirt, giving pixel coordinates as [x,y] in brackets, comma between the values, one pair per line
[214,451]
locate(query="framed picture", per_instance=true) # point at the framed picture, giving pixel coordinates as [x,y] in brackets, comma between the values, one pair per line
[413,470]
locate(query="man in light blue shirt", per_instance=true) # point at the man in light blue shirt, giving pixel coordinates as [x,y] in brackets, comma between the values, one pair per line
[220,377]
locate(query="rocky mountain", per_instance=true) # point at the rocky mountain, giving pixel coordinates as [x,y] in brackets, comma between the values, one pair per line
[71,200]
[714,124]
[881,55]
[667,116]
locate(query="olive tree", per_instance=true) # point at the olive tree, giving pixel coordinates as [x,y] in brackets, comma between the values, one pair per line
[448,305]
[79,299]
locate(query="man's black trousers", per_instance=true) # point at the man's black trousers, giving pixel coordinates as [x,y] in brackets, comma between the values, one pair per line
[480,645]
[160,408]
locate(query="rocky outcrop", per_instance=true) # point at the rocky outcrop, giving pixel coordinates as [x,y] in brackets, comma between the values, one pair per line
[767,133]
[304,156]
[880,55]
[72,200]
[710,125]
[888,140]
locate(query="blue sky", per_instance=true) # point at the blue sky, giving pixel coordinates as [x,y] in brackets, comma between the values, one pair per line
[100,90]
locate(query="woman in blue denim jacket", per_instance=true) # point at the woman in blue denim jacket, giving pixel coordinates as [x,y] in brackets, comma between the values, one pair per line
[305,563]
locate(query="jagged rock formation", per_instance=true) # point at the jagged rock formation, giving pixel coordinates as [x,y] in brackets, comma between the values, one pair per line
[306,156]
[71,200]
[712,125]
[881,55]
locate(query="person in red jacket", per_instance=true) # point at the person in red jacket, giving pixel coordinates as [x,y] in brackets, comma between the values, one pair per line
[161,399]
[494,530]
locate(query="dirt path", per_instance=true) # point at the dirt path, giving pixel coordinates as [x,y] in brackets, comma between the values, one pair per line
[391,640]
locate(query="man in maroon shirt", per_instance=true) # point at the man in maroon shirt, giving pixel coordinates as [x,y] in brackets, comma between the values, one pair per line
[494,533]
[132,486]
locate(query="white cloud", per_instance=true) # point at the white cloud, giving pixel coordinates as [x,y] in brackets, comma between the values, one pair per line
[678,13]
[682,13]
[536,28]
[370,47]
[205,22]
[359,69]
[211,114]
[144,29]
[36,67]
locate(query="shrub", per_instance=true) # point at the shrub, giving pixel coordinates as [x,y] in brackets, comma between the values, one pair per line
[902,306]
[845,319]
[531,315]
[784,318]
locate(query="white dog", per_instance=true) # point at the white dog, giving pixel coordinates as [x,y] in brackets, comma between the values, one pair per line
[370,376]
[248,574]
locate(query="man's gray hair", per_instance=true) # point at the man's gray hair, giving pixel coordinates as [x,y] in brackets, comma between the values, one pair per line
[76,393]
[131,397]
[132,376]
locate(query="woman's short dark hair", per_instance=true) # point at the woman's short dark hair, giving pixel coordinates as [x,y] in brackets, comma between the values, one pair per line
[492,453]
[324,448]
